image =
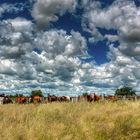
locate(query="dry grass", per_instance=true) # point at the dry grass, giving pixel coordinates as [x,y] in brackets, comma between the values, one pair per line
[67,121]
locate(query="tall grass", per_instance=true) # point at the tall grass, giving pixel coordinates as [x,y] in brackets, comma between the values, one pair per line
[71,121]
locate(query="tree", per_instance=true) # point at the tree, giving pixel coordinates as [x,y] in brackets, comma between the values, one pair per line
[85,94]
[37,93]
[125,90]
[16,95]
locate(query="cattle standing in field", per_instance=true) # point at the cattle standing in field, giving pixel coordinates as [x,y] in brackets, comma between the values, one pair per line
[5,99]
[89,97]
[93,97]
[64,99]
[111,98]
[61,98]
[1,100]
[52,98]
[36,99]
[21,100]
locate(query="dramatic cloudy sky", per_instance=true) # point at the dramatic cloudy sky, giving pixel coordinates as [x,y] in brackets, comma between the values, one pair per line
[69,46]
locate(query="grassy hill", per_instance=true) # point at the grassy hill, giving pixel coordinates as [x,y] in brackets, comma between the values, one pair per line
[71,121]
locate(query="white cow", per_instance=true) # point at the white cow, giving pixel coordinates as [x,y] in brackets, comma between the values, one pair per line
[1,100]
[68,98]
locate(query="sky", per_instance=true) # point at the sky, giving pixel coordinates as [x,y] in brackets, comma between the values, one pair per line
[69,47]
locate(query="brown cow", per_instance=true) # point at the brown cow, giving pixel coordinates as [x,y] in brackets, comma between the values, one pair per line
[97,98]
[21,100]
[63,98]
[89,97]
[52,98]
[36,99]
[93,97]
[5,99]
[111,98]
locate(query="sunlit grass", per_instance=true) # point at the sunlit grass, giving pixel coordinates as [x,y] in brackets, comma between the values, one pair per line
[67,121]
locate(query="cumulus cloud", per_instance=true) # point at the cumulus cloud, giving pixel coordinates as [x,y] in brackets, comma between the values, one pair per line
[57,63]
[7,67]
[14,42]
[46,11]
[61,52]
[52,59]
[21,24]
[122,16]
[56,42]
[111,38]
[11,8]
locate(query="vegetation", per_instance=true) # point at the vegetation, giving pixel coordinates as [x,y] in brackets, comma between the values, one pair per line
[67,121]
[125,91]
[16,95]
[37,93]
[85,94]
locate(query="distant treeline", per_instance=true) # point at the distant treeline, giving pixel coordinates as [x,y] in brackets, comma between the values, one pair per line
[123,91]
[33,93]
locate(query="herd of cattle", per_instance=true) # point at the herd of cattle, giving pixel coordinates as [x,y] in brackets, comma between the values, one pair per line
[52,98]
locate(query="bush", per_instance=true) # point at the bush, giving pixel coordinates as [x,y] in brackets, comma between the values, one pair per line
[128,91]
[85,94]
[37,93]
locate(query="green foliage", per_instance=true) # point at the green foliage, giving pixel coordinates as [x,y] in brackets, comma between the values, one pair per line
[37,93]
[125,91]
[16,95]
[85,94]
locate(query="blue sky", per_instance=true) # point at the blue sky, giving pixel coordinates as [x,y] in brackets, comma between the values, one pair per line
[69,47]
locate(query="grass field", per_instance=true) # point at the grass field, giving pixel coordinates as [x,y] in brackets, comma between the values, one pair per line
[71,121]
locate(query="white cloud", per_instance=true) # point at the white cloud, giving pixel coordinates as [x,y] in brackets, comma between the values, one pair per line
[56,42]
[21,24]
[10,8]
[15,40]
[111,38]
[56,65]
[7,67]
[122,16]
[46,11]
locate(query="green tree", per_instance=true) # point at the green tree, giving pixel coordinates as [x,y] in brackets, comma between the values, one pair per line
[125,90]
[85,94]
[37,93]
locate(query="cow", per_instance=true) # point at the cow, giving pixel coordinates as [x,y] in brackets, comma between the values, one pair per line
[97,98]
[68,98]
[89,97]
[93,97]
[61,98]
[5,99]
[64,98]
[52,98]
[111,98]
[21,100]
[36,99]
[1,100]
